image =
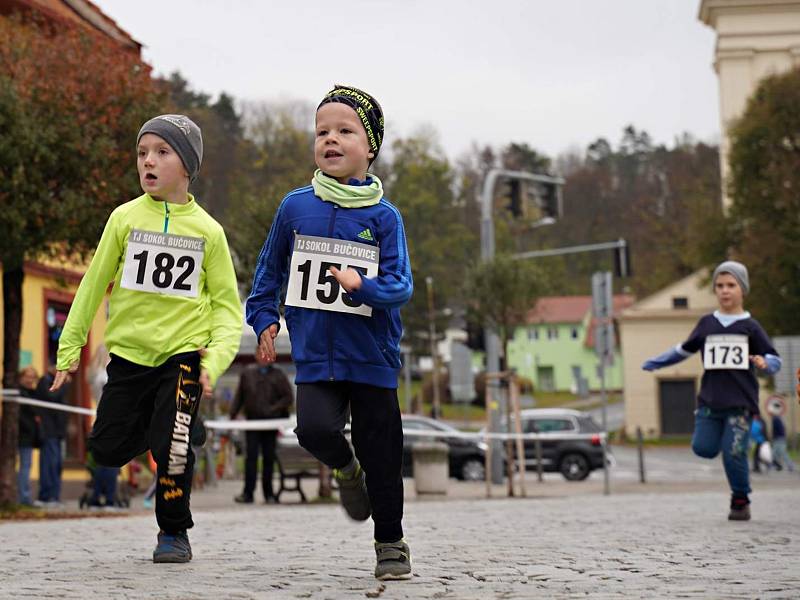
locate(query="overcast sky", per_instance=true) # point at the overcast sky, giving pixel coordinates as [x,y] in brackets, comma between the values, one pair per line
[555,74]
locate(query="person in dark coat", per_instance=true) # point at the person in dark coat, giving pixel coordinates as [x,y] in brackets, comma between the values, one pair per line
[54,430]
[264,392]
[29,437]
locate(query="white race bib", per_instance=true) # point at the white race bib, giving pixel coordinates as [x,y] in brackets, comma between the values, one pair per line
[726,352]
[310,283]
[163,263]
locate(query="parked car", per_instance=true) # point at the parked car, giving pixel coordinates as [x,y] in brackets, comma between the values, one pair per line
[467,458]
[574,459]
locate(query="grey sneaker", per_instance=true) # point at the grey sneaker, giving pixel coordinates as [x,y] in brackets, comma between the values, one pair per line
[353,494]
[172,548]
[393,560]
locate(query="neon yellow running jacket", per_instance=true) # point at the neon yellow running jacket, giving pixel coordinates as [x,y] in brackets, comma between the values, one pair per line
[174,289]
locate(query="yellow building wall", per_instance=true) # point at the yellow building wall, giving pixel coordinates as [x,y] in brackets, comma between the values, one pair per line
[36,287]
[647,329]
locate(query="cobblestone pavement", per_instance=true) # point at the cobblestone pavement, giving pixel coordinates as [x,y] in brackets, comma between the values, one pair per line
[664,545]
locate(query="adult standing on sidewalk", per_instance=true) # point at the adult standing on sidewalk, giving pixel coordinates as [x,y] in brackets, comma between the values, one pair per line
[29,437]
[54,430]
[264,392]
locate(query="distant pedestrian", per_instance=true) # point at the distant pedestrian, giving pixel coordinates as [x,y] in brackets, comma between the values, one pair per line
[54,431]
[29,434]
[264,392]
[780,455]
[758,434]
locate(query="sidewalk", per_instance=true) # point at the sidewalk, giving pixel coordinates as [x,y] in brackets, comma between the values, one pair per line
[626,545]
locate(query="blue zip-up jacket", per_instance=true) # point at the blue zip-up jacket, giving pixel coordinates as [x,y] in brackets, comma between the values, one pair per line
[333,346]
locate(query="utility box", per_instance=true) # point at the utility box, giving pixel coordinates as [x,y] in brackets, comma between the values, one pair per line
[431,470]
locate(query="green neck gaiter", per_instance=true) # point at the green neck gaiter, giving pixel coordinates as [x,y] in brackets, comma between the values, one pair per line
[347,196]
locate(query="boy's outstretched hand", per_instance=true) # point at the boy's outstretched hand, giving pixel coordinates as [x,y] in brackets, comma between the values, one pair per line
[349,279]
[266,344]
[63,377]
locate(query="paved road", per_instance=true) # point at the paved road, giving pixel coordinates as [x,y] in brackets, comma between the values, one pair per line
[625,545]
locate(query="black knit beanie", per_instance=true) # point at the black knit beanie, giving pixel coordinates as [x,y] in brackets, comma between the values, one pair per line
[367,109]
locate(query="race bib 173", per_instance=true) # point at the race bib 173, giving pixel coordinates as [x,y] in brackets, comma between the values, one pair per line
[163,263]
[726,352]
[311,285]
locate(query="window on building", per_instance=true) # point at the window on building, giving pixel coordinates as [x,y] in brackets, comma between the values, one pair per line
[574,333]
[552,333]
[680,302]
[533,333]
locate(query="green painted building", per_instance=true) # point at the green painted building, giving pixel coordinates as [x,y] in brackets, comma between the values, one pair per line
[556,345]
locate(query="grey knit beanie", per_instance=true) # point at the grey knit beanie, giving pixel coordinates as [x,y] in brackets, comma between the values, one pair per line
[183,134]
[735,269]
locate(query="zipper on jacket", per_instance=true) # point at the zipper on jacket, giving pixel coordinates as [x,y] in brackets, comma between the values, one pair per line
[166,216]
[329,325]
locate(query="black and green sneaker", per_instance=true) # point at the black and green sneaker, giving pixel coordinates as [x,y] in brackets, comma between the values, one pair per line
[740,508]
[172,548]
[393,560]
[353,495]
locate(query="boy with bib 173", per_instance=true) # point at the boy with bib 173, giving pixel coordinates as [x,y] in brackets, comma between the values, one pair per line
[174,322]
[341,246]
[733,346]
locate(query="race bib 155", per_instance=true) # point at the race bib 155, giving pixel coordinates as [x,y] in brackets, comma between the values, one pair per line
[311,285]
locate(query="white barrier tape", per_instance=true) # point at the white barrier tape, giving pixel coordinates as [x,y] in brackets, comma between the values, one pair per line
[277,424]
[466,435]
[252,425]
[51,405]
[273,424]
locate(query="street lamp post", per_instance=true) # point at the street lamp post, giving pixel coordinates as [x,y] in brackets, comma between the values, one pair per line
[491,339]
[436,409]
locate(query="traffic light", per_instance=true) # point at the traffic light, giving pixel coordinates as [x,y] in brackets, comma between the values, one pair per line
[550,199]
[514,205]
[622,260]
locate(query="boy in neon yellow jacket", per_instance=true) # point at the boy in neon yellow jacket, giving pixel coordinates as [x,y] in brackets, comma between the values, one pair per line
[175,322]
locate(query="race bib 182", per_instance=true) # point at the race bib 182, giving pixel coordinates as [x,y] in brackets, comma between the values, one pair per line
[726,352]
[311,285]
[163,263]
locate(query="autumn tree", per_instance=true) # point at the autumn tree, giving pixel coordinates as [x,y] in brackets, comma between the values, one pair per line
[420,182]
[225,147]
[500,293]
[278,158]
[71,103]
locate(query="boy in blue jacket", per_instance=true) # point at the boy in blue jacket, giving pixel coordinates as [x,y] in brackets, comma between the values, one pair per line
[340,248]
[733,346]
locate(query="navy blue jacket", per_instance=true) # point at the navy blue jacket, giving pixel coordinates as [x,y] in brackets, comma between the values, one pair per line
[333,346]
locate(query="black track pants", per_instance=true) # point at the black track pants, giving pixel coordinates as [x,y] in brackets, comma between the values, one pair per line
[377,434]
[152,408]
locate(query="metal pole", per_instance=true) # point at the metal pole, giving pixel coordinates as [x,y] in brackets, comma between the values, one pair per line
[407,379]
[570,250]
[490,336]
[640,444]
[514,395]
[792,396]
[487,254]
[606,486]
[539,465]
[436,409]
